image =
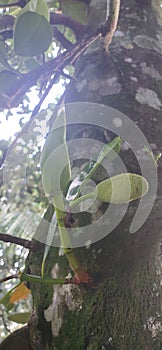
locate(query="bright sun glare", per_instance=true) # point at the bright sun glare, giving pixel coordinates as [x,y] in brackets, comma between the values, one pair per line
[10,126]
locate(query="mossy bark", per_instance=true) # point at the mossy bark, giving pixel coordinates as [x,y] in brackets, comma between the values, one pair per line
[123,309]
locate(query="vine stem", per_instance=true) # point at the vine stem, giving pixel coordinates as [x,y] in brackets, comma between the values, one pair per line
[81,276]
[46,280]
[112,20]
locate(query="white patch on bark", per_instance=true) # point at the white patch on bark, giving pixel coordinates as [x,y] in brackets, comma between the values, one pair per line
[127,44]
[48,313]
[62,294]
[119,34]
[155,327]
[134,79]
[146,42]
[88,244]
[148,97]
[128,59]
[88,70]
[151,71]
[81,85]
[109,86]
[120,39]
[99,251]
[117,122]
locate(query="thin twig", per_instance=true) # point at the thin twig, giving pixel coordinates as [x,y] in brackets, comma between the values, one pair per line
[37,107]
[35,111]
[8,278]
[111,25]
[4,321]
[52,82]
[16,240]
[60,102]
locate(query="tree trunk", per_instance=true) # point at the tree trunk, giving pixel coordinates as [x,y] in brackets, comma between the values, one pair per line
[122,311]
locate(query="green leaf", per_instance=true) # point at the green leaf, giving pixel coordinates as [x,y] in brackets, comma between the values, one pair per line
[55,162]
[5,300]
[154,157]
[109,150]
[122,188]
[31,64]
[44,226]
[21,292]
[42,8]
[8,80]
[21,317]
[76,9]
[49,240]
[38,6]
[4,2]
[157,157]
[32,34]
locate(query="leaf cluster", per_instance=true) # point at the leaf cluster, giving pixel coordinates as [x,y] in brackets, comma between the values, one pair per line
[30,33]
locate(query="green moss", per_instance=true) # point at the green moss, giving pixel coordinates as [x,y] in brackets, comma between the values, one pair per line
[93,346]
[119,309]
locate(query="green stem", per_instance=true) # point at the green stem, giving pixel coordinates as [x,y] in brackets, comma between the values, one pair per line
[44,280]
[64,236]
[110,150]
[83,198]
[60,216]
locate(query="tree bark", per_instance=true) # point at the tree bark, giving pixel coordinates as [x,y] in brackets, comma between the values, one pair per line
[123,311]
